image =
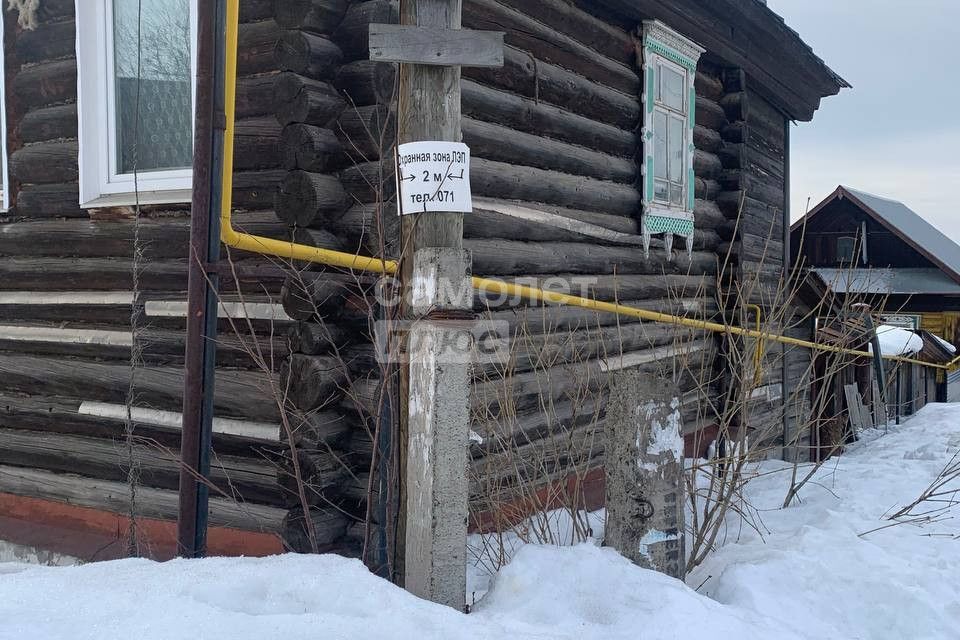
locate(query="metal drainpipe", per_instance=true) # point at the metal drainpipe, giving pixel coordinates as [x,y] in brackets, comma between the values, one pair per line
[203,283]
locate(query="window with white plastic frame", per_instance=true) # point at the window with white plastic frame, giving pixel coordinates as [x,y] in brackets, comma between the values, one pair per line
[136,63]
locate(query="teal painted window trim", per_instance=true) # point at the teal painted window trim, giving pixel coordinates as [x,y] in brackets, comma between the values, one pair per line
[647,197]
[648,187]
[655,223]
[657,47]
[651,87]
[675,217]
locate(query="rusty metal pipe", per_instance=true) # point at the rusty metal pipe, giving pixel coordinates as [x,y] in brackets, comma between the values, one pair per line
[203,280]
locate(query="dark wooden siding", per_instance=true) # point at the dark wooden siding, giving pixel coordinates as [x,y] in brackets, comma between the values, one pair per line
[67,272]
[555,130]
[754,202]
[842,218]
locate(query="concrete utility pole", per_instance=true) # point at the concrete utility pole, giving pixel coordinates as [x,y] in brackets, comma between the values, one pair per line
[436,272]
[645,472]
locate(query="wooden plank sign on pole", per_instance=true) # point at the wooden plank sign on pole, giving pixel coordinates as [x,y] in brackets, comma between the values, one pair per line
[436,276]
[436,46]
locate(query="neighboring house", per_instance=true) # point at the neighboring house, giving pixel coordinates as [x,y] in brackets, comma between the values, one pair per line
[869,250]
[878,251]
[613,128]
[883,252]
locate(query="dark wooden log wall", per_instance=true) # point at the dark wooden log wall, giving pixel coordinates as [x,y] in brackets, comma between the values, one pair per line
[554,130]
[752,197]
[66,294]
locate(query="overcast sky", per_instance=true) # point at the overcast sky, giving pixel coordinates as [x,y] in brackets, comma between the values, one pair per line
[897,132]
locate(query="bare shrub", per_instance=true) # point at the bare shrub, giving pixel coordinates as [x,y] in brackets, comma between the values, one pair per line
[934,503]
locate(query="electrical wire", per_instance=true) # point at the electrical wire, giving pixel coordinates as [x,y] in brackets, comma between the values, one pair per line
[136,311]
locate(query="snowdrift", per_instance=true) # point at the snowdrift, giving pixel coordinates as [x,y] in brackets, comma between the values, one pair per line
[582,593]
[804,572]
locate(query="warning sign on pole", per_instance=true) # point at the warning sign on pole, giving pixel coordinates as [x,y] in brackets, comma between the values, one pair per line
[434,176]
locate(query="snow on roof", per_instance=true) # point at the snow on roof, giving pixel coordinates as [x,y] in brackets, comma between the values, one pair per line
[895,341]
[946,345]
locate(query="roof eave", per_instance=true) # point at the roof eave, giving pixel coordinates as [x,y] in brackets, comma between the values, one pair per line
[751,36]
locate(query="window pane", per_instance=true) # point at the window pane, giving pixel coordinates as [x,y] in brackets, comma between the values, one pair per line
[672,91]
[661,190]
[845,249]
[162,137]
[675,143]
[676,195]
[660,144]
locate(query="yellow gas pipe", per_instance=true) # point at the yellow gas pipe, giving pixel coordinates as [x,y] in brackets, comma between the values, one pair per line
[292,251]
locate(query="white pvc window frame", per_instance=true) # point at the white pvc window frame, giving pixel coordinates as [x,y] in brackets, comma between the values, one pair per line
[101,185]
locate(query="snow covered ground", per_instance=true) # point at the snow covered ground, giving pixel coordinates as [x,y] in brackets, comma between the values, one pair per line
[821,575]
[810,575]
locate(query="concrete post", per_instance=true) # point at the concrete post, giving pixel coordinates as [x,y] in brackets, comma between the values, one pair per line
[645,491]
[440,352]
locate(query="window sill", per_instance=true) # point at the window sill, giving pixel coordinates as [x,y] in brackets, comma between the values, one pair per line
[176,196]
[663,209]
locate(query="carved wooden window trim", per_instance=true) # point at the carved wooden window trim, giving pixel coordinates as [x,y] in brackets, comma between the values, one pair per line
[665,51]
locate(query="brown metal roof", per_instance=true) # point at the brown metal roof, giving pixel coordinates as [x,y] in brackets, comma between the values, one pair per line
[934,350]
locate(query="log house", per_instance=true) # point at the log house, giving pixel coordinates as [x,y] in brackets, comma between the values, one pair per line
[866,249]
[569,189]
